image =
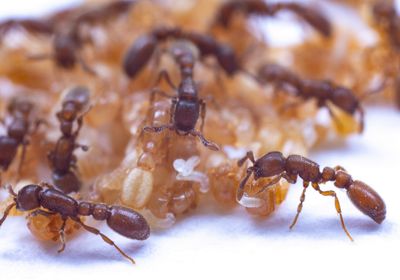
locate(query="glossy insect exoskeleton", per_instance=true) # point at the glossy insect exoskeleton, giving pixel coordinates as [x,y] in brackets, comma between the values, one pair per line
[44,200]
[187,107]
[275,166]
[320,90]
[66,30]
[257,7]
[143,49]
[18,130]
[62,158]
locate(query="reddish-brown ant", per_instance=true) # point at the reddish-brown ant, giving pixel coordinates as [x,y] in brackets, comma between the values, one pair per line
[140,53]
[186,107]
[68,40]
[125,221]
[320,90]
[62,158]
[257,7]
[17,132]
[276,166]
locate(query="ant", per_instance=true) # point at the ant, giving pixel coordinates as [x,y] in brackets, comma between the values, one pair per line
[62,158]
[186,107]
[68,41]
[125,221]
[144,47]
[17,132]
[275,165]
[320,90]
[248,7]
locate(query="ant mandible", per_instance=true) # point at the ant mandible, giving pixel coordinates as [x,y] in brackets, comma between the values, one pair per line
[320,90]
[186,107]
[17,131]
[62,158]
[274,165]
[125,221]
[313,17]
[142,50]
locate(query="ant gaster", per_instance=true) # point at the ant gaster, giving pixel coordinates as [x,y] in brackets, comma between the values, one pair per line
[142,50]
[62,158]
[44,200]
[186,107]
[274,165]
[17,132]
[320,90]
[313,17]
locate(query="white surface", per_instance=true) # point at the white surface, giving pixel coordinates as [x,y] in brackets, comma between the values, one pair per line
[213,242]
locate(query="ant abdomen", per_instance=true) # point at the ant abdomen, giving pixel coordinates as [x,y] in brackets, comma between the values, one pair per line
[128,223]
[139,55]
[367,200]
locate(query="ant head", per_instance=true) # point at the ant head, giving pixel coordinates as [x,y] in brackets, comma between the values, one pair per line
[17,130]
[21,107]
[28,197]
[68,112]
[345,99]
[65,47]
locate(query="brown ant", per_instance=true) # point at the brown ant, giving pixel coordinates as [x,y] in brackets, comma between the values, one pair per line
[257,7]
[17,132]
[186,107]
[320,90]
[125,221]
[68,40]
[140,53]
[62,158]
[274,165]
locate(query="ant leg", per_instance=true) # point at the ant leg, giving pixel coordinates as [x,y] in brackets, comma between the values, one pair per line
[249,155]
[10,190]
[202,114]
[337,206]
[164,75]
[240,190]
[41,212]
[85,66]
[157,129]
[158,91]
[79,121]
[62,236]
[208,144]
[6,212]
[361,112]
[104,237]
[42,56]
[273,182]
[83,147]
[300,206]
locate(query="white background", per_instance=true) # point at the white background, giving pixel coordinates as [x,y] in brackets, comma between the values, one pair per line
[213,242]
